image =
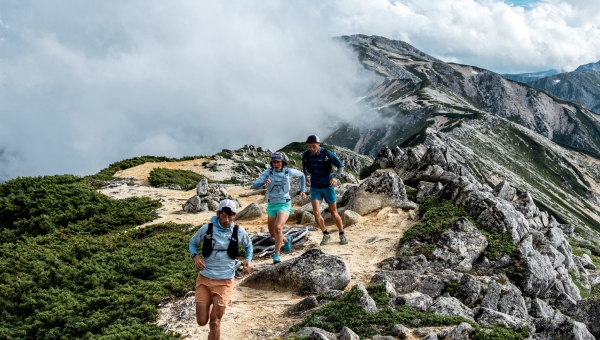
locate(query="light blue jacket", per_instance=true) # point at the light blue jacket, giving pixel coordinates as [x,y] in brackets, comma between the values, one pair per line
[219,266]
[279,188]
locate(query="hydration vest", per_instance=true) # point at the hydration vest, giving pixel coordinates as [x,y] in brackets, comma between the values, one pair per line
[277,187]
[208,246]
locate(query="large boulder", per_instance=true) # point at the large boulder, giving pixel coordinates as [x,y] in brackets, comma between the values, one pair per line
[194,205]
[253,210]
[588,312]
[365,301]
[504,191]
[383,189]
[202,187]
[450,306]
[416,300]
[314,270]
[404,281]
[468,290]
[560,326]
[488,317]
[427,189]
[466,241]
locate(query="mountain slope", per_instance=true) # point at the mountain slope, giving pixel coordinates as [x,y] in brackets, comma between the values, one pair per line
[527,77]
[501,128]
[581,86]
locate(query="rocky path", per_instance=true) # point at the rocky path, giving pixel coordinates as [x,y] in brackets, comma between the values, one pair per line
[258,314]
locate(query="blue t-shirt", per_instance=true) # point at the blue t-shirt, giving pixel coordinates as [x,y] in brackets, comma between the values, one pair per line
[219,266]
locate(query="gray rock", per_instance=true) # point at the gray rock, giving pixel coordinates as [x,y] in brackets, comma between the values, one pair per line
[503,262]
[502,217]
[539,275]
[466,241]
[422,331]
[315,270]
[350,217]
[304,305]
[405,281]
[202,187]
[380,190]
[560,326]
[460,332]
[385,158]
[308,207]
[366,302]
[428,189]
[307,217]
[347,334]
[488,317]
[504,191]
[212,205]
[565,304]
[525,204]
[430,336]
[431,286]
[194,205]
[512,303]
[415,299]
[540,309]
[401,331]
[586,261]
[408,205]
[567,229]
[468,290]
[253,210]
[349,178]
[416,263]
[450,306]
[492,296]
[383,337]
[317,333]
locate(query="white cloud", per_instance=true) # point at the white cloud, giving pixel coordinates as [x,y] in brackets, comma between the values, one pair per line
[87,83]
[490,34]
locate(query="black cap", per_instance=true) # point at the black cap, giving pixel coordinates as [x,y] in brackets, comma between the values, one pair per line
[313,139]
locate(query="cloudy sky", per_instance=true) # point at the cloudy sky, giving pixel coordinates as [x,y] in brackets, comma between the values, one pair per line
[87,83]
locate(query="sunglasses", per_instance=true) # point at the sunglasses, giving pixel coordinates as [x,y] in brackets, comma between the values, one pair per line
[274,161]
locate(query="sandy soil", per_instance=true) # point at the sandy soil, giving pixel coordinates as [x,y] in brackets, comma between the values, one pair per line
[258,314]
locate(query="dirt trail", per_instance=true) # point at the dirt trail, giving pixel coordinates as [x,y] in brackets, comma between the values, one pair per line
[258,314]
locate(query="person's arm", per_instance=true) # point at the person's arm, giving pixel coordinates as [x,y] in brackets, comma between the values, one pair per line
[193,246]
[260,181]
[305,171]
[338,164]
[247,244]
[196,239]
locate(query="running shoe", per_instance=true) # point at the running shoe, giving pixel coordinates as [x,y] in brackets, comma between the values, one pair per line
[287,246]
[343,239]
[276,258]
[326,238]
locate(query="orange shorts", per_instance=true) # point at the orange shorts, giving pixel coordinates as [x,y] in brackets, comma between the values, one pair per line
[209,291]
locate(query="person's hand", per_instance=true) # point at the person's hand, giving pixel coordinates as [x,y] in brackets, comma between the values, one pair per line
[199,263]
[307,182]
[247,267]
[266,181]
[333,182]
[302,195]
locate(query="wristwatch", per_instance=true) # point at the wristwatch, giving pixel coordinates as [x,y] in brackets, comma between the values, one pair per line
[194,255]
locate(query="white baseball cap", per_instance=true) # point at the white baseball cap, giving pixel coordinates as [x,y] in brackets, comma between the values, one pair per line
[227,203]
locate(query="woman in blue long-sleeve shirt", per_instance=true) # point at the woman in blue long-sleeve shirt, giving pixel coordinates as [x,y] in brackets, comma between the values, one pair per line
[279,208]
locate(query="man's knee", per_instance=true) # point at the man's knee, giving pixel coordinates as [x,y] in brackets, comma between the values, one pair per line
[215,322]
[201,321]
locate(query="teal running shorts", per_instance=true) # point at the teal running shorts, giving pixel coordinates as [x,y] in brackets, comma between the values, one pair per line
[325,193]
[274,208]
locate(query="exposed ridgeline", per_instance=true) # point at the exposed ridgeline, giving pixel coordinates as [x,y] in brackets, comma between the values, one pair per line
[581,86]
[490,256]
[416,90]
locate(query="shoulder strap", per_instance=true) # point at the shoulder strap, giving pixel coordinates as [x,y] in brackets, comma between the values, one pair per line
[232,249]
[207,246]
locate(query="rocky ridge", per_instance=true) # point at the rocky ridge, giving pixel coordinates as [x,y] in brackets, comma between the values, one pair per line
[538,286]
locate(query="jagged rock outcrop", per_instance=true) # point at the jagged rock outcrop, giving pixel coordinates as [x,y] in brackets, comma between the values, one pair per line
[253,210]
[314,271]
[384,189]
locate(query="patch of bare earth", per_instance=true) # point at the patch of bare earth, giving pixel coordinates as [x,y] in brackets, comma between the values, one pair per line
[259,314]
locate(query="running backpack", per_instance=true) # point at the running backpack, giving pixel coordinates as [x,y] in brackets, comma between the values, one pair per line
[232,249]
[325,159]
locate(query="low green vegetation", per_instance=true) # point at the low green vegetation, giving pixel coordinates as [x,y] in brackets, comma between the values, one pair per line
[184,178]
[411,193]
[344,312]
[438,215]
[107,174]
[72,265]
[367,171]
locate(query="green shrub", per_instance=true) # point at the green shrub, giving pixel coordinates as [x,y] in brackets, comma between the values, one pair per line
[184,178]
[73,267]
[411,193]
[344,312]
[438,215]
[367,171]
